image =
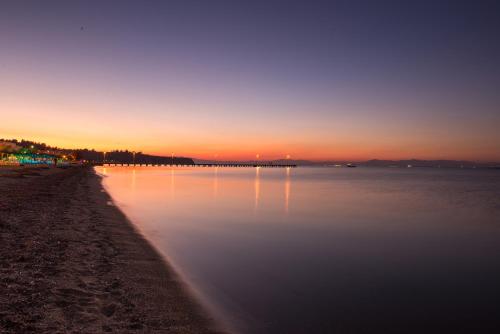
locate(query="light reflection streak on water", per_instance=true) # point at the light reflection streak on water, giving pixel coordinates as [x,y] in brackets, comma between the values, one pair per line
[257,187]
[287,190]
[216,181]
[172,183]
[134,180]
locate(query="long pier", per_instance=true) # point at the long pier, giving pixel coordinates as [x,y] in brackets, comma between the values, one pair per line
[264,165]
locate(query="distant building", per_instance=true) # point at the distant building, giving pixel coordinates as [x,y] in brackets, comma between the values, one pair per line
[14,155]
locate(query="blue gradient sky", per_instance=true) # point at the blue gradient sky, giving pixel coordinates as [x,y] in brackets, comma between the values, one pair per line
[313,79]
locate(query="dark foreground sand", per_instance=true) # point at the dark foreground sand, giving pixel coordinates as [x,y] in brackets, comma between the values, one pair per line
[71,263]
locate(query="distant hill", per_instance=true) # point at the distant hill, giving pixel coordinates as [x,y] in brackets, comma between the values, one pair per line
[128,157]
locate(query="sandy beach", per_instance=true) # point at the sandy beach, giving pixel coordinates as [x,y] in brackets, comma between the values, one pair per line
[72,263]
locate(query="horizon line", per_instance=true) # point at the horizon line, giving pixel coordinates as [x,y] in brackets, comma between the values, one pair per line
[258,157]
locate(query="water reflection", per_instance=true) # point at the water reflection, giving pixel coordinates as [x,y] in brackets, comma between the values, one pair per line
[398,251]
[134,176]
[287,190]
[216,181]
[257,187]
[172,183]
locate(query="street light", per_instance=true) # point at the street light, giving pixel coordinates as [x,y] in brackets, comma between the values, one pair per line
[172,158]
[133,158]
[104,157]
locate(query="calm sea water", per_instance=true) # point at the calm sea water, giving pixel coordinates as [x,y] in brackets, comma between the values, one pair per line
[326,250]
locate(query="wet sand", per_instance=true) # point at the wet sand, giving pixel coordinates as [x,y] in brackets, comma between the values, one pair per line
[72,263]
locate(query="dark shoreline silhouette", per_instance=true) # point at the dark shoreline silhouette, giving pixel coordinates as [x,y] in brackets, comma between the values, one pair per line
[127,157]
[115,156]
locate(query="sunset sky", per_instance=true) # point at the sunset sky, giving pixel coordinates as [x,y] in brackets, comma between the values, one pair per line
[312,79]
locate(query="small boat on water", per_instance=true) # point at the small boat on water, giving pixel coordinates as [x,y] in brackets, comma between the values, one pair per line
[351,165]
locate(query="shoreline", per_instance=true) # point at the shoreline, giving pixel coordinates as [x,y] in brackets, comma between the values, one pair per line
[72,263]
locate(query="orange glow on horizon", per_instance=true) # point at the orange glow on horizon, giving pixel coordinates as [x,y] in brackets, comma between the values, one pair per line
[345,152]
[73,121]
[94,94]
